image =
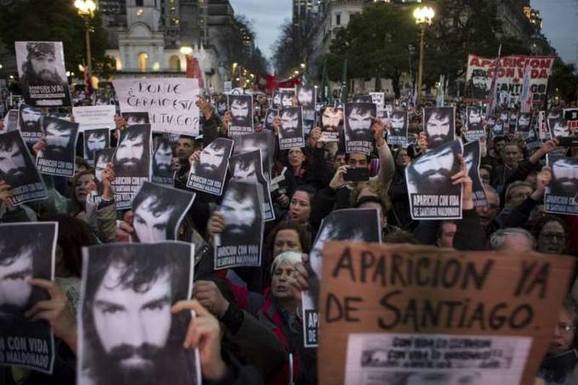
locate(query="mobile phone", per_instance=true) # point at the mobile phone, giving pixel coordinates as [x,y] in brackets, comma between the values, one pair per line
[356,174]
[568,141]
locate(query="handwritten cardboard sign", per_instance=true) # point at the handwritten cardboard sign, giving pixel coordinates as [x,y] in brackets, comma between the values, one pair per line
[401,311]
[170,102]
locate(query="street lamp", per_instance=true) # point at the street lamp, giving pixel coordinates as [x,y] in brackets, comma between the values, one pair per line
[423,17]
[86,10]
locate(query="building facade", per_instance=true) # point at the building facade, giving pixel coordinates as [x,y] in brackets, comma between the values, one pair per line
[148,36]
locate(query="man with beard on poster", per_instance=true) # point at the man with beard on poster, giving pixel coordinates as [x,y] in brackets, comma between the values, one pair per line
[129,334]
[162,158]
[212,160]
[59,139]
[290,123]
[438,125]
[15,166]
[359,121]
[559,127]
[95,140]
[30,119]
[398,124]
[240,110]
[474,118]
[131,157]
[431,173]
[477,87]
[524,122]
[240,212]
[330,119]
[305,97]
[41,68]
[564,177]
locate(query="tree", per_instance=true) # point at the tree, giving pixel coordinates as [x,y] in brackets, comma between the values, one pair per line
[32,20]
[293,46]
[375,44]
[564,81]
[460,28]
[239,43]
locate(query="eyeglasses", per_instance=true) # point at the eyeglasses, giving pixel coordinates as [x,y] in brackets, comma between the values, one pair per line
[554,235]
[565,328]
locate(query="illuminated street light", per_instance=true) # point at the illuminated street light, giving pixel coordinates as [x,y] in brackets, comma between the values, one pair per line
[86,10]
[423,17]
[186,50]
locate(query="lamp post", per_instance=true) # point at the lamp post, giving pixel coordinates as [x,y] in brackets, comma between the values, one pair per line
[423,17]
[86,10]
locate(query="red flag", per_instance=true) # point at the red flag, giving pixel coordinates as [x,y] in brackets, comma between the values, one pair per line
[87,82]
[194,70]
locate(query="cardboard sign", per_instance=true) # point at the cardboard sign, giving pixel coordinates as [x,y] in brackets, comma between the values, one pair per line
[170,102]
[431,308]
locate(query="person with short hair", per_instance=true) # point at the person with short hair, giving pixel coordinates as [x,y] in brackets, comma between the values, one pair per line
[512,239]
[559,366]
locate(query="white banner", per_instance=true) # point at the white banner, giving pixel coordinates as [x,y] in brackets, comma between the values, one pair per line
[510,77]
[170,102]
[92,117]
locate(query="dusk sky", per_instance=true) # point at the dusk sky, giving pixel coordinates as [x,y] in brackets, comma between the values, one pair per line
[560,22]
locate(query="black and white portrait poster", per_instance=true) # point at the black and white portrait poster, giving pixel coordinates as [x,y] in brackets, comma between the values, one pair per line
[494,126]
[358,120]
[30,124]
[439,125]
[362,99]
[158,212]
[378,98]
[27,250]
[399,127]
[162,160]
[101,159]
[59,155]
[42,75]
[209,173]
[431,193]
[92,117]
[558,127]
[94,140]
[133,118]
[248,167]
[241,109]
[283,97]
[561,195]
[18,170]
[474,129]
[270,117]
[472,158]
[331,121]
[513,121]
[291,132]
[356,225]
[263,141]
[307,99]
[11,121]
[524,124]
[240,242]
[126,331]
[131,163]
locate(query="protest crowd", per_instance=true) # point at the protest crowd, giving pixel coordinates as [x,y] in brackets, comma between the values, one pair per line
[227,217]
